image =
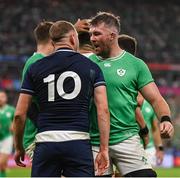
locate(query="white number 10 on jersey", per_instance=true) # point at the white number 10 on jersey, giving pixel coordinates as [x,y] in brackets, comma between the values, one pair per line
[59,85]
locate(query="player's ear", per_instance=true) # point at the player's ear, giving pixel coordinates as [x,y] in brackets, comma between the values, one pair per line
[73,39]
[113,36]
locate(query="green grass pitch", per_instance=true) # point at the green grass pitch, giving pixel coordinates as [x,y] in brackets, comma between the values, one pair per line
[162,172]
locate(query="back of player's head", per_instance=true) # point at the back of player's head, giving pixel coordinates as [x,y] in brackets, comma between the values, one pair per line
[60,29]
[41,32]
[128,43]
[108,19]
[63,34]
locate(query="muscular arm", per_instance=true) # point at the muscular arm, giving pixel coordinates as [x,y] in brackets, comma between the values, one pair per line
[153,96]
[18,126]
[103,115]
[161,108]
[102,159]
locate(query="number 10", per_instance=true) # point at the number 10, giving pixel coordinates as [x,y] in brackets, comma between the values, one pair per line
[50,79]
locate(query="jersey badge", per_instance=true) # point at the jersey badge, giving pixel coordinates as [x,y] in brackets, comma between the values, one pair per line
[121,72]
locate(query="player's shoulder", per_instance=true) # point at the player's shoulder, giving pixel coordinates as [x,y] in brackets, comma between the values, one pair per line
[88,54]
[31,60]
[134,60]
[93,57]
[34,58]
[36,61]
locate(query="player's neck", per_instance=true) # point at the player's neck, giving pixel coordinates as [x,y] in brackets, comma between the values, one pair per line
[115,51]
[63,46]
[44,49]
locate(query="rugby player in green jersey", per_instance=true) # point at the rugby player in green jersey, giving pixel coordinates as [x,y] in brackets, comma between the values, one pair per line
[125,75]
[44,48]
[6,139]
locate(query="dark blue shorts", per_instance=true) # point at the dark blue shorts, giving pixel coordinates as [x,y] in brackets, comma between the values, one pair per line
[70,159]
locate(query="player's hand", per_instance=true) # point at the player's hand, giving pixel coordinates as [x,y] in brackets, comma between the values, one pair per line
[19,157]
[166,129]
[82,25]
[101,162]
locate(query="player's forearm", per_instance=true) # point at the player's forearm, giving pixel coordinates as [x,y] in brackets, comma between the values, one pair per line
[104,128]
[18,128]
[161,108]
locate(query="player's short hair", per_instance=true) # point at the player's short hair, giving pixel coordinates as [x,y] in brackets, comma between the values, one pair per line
[60,29]
[84,38]
[41,32]
[108,18]
[128,43]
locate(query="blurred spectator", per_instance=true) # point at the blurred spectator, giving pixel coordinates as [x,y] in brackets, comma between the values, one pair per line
[154,25]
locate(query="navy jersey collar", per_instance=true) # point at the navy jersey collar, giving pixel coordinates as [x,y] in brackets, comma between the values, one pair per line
[64,48]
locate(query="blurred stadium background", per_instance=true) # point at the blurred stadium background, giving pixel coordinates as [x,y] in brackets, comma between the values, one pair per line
[154,23]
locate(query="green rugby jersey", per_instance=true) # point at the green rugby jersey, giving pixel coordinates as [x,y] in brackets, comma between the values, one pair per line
[124,76]
[30,129]
[6,118]
[149,116]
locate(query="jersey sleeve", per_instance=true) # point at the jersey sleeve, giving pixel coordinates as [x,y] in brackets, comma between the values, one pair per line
[144,75]
[99,78]
[27,84]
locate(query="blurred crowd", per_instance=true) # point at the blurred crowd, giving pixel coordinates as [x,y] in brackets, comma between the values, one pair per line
[155,24]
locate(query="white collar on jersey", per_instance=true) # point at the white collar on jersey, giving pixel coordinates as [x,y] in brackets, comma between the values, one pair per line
[65,49]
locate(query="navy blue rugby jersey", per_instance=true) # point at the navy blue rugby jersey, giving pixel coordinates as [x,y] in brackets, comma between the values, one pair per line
[63,84]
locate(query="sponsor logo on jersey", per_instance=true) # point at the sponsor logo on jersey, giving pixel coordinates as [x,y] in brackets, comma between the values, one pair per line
[121,72]
[107,64]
